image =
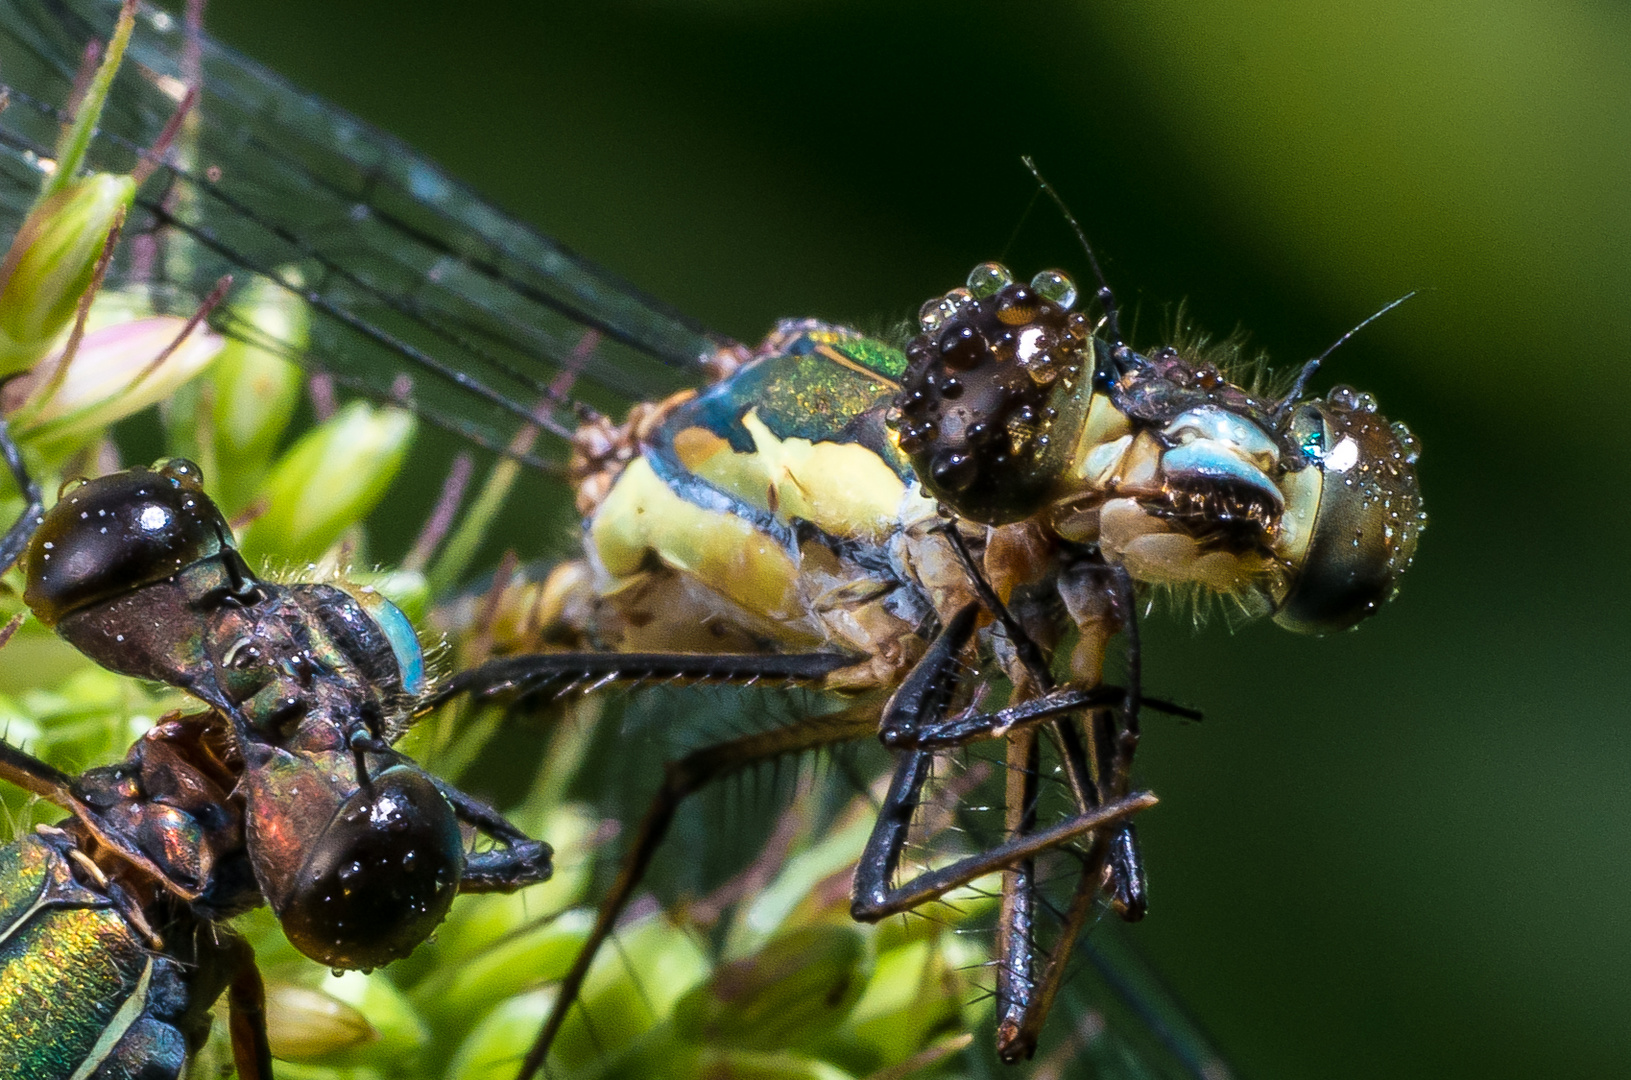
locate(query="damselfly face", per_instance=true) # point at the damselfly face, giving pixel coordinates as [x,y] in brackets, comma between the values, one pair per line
[1012,410]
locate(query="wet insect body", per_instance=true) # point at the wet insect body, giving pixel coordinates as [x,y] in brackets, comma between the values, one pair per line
[113,944]
[829,509]
[836,494]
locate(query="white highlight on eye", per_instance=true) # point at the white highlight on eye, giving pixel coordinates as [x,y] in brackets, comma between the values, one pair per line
[1342,457]
[387,808]
[153,518]
[1030,344]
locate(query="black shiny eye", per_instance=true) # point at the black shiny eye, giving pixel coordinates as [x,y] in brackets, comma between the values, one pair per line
[376,881]
[115,534]
[983,400]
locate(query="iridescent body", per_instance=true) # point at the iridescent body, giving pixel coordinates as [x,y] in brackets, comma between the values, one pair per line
[80,990]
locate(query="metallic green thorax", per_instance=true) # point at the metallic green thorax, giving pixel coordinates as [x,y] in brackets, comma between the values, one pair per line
[818,382]
[78,987]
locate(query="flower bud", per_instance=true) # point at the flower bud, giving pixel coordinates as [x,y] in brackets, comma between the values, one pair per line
[328,481]
[256,389]
[308,1025]
[116,371]
[493,1048]
[627,996]
[537,953]
[51,263]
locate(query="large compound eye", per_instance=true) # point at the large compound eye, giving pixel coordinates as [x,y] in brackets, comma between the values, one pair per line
[986,407]
[115,534]
[1353,514]
[375,880]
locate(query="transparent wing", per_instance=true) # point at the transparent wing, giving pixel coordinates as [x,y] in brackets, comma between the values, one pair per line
[419,291]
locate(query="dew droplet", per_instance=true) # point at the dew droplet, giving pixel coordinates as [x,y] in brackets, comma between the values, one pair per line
[1407,441]
[1055,285]
[929,316]
[988,279]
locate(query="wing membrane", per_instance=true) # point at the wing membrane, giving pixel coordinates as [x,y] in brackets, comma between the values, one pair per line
[419,290]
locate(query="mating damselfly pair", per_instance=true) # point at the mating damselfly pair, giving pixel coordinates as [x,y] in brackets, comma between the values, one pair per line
[767,527]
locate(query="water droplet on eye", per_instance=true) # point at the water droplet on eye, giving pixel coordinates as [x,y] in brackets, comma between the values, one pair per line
[933,314]
[953,472]
[962,347]
[1056,286]
[1017,305]
[1408,443]
[988,279]
[929,316]
[1343,396]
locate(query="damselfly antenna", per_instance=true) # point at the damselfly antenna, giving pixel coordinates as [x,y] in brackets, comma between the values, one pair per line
[1107,299]
[1299,387]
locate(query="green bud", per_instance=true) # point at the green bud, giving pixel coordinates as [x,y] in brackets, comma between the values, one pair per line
[116,371]
[798,987]
[256,390]
[328,481]
[308,1025]
[631,991]
[493,1049]
[51,263]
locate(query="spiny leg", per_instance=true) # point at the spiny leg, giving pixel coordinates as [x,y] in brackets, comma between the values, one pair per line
[1017,1035]
[923,698]
[1016,918]
[682,778]
[35,776]
[1130,888]
[875,899]
[537,672]
[1118,744]
[913,719]
[974,726]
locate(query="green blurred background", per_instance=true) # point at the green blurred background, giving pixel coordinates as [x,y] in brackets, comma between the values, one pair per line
[1399,852]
